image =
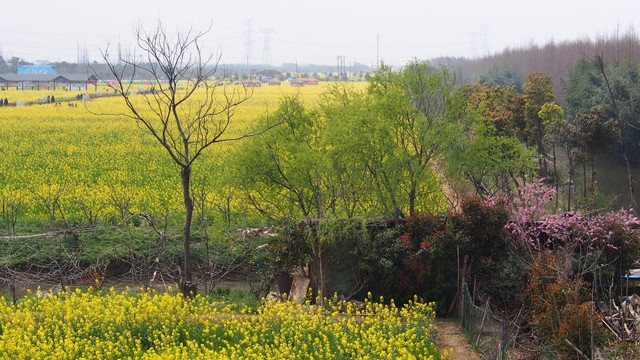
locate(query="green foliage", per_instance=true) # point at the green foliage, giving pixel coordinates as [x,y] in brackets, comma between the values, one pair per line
[429,263]
[379,257]
[538,91]
[288,251]
[419,107]
[488,156]
[358,153]
[482,224]
[586,89]
[502,75]
[281,172]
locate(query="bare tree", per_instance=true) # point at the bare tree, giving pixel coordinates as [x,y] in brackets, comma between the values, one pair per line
[184,110]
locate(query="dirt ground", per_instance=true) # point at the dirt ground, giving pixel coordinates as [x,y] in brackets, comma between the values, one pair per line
[448,336]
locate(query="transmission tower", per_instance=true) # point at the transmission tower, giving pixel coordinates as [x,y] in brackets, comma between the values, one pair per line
[82,56]
[478,42]
[342,69]
[266,51]
[249,41]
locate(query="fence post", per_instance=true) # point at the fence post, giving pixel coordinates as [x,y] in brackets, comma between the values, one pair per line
[484,316]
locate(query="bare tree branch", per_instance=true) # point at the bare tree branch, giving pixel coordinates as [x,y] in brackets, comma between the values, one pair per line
[185,114]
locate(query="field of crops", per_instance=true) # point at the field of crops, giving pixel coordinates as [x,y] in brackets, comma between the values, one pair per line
[84,163]
[150,325]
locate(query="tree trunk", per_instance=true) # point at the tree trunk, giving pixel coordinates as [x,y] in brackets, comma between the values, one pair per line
[570,182]
[584,181]
[187,285]
[556,176]
[592,184]
[412,199]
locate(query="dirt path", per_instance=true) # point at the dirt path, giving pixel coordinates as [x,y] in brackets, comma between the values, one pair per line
[448,336]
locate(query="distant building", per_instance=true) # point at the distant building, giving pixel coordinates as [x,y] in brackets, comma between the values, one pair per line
[274,82]
[310,81]
[36,69]
[36,81]
[304,81]
[252,83]
[297,83]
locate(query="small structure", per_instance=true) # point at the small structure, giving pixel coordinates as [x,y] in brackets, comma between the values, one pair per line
[274,82]
[297,83]
[304,81]
[632,280]
[252,83]
[310,81]
[20,80]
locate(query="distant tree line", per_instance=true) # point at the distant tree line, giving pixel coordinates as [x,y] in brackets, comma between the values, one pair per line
[511,65]
[237,71]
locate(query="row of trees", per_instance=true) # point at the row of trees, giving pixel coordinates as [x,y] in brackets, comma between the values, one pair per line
[389,147]
[510,66]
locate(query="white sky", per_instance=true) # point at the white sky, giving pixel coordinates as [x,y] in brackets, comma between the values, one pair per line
[310,32]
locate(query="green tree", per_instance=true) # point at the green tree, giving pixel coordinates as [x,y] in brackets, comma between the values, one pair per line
[282,173]
[3,65]
[14,62]
[418,107]
[538,90]
[598,135]
[552,115]
[502,75]
[584,88]
[489,159]
[583,137]
[358,153]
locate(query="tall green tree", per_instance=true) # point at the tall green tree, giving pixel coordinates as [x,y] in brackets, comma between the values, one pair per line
[488,155]
[282,173]
[552,115]
[538,90]
[586,88]
[617,94]
[418,106]
[598,135]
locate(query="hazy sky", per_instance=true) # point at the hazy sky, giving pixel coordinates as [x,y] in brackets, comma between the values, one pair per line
[309,32]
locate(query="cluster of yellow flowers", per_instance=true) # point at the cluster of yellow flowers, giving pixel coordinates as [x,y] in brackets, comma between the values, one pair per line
[91,160]
[153,325]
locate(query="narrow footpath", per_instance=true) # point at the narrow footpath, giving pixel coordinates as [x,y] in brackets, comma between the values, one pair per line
[448,336]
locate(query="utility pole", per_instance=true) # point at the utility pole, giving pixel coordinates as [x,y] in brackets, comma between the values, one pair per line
[378,50]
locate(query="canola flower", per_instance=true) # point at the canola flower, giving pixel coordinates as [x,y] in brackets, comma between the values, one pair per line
[83,163]
[152,325]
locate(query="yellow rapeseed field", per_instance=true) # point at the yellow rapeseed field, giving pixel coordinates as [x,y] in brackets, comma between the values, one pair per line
[151,325]
[87,161]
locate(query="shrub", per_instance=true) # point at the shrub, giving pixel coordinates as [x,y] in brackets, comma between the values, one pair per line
[429,264]
[561,308]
